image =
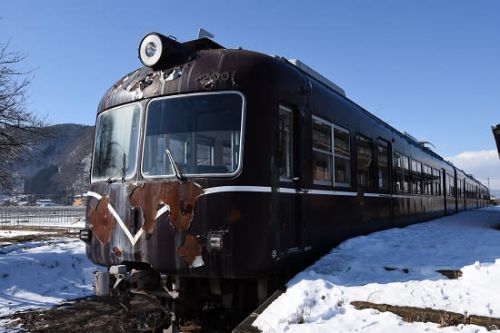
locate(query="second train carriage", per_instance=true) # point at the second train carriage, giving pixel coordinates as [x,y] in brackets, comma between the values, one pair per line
[214,164]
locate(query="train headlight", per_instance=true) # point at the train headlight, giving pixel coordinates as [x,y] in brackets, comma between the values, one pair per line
[158,51]
[150,50]
[85,235]
[215,241]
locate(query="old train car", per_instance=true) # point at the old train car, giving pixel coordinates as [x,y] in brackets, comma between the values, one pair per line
[221,168]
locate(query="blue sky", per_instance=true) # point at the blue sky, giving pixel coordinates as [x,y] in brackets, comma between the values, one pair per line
[428,67]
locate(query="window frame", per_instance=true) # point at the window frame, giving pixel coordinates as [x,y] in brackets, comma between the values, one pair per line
[139,143]
[198,175]
[450,185]
[291,159]
[416,177]
[436,182]
[335,182]
[322,151]
[384,145]
[405,173]
[372,186]
[332,155]
[427,179]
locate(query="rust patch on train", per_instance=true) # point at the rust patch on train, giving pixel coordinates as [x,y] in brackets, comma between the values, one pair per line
[117,251]
[190,249]
[182,201]
[181,197]
[101,221]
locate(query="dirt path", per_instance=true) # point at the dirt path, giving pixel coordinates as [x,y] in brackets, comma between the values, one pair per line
[92,314]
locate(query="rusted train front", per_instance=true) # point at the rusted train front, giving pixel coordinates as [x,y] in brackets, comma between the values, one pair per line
[170,160]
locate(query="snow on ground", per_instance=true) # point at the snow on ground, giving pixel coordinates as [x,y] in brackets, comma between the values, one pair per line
[397,267]
[42,274]
[46,222]
[17,233]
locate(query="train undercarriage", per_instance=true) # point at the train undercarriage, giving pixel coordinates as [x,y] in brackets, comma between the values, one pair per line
[188,304]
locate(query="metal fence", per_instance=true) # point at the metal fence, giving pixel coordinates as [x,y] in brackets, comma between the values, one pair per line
[43,216]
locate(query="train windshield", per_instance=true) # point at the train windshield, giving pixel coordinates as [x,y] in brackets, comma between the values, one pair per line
[202,132]
[115,151]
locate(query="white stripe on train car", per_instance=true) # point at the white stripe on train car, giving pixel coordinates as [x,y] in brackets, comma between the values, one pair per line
[132,238]
[268,189]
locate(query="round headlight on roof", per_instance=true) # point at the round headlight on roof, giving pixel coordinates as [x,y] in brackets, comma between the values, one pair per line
[151,49]
[158,51]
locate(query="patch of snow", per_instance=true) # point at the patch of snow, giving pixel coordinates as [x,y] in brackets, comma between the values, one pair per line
[16,233]
[42,274]
[397,267]
[49,222]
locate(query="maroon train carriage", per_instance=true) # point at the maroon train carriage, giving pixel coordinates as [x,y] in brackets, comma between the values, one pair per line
[223,171]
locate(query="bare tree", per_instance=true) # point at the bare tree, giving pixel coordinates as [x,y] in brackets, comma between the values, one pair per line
[20,129]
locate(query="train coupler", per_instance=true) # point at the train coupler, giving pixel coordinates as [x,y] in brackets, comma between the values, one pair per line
[127,277]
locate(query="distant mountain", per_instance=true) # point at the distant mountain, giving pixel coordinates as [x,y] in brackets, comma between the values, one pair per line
[59,166]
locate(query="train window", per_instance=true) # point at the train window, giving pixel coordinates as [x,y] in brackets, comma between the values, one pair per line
[201,131]
[342,156]
[331,154]
[364,160]
[436,176]
[427,179]
[285,146]
[416,183]
[401,172]
[450,187]
[322,152]
[117,136]
[383,168]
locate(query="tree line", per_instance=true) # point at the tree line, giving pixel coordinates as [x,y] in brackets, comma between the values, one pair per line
[20,129]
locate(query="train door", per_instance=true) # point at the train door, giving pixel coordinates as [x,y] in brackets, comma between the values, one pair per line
[384,176]
[444,192]
[456,185]
[477,197]
[290,202]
